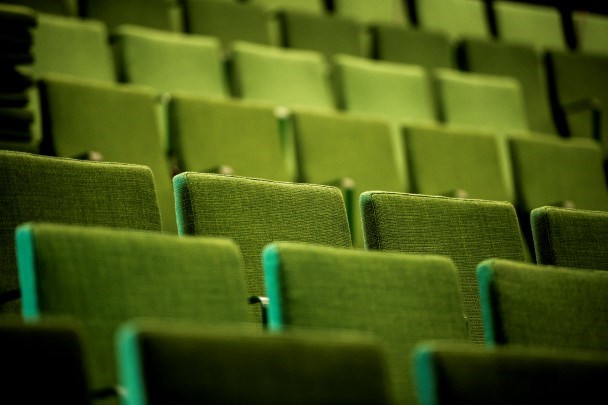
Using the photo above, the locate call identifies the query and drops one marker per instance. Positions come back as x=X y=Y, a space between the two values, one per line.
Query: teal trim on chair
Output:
x=485 y=274
x=272 y=264
x=426 y=384
x=180 y=187
x=129 y=356
x=25 y=240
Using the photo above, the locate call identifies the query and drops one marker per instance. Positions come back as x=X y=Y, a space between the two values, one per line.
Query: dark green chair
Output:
x=39 y=188
x=161 y=14
x=544 y=306
x=385 y=11
x=466 y=230
x=255 y=212
x=452 y=373
x=456 y=18
x=104 y=277
x=178 y=363
x=402 y=299
x=570 y=237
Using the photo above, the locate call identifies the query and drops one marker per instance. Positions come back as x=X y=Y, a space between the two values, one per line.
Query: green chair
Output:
x=161 y=14
x=103 y=277
x=387 y=11
x=120 y=123
x=506 y=375
x=256 y=212
x=238 y=137
x=570 y=237
x=291 y=78
x=401 y=299
x=450 y=162
x=72 y=46
x=532 y=24
x=39 y=188
x=544 y=306
x=342 y=149
x=466 y=230
x=178 y=363
x=591 y=32
x=59 y=7
x=456 y=18
x=308 y=6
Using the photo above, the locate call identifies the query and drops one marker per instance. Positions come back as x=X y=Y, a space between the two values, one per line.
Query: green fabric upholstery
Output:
x=43 y=363
x=161 y=14
x=549 y=171
x=399 y=92
x=72 y=46
x=120 y=122
x=59 y=7
x=457 y=18
x=367 y=12
x=592 y=31
x=38 y=188
x=507 y=375
x=570 y=237
x=171 y=61
x=402 y=299
x=532 y=24
x=521 y=62
x=468 y=231
x=443 y=160
x=292 y=78
x=533 y=305
x=332 y=147
x=210 y=133
x=309 y=6
x=327 y=35
x=166 y=363
x=394 y=43
x=228 y=21
x=104 y=277
x=256 y=212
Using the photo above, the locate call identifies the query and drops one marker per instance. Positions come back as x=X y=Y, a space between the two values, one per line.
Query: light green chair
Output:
x=356 y=153
x=543 y=306
x=456 y=18
x=308 y=6
x=402 y=299
x=387 y=11
x=161 y=14
x=180 y=363
x=466 y=230
x=591 y=32
x=117 y=123
x=291 y=78
x=570 y=237
x=40 y=188
x=105 y=277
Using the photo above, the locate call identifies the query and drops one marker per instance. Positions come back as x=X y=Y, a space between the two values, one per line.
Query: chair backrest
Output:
x=533 y=305
x=72 y=46
x=521 y=62
x=104 y=277
x=39 y=188
x=332 y=147
x=179 y=363
x=59 y=7
x=256 y=212
x=532 y=24
x=120 y=122
x=397 y=91
x=457 y=18
x=161 y=14
x=210 y=134
x=591 y=32
x=443 y=161
x=506 y=374
x=402 y=299
x=468 y=231
x=309 y=6
x=554 y=171
x=170 y=61
x=570 y=237
x=387 y=11
x=292 y=78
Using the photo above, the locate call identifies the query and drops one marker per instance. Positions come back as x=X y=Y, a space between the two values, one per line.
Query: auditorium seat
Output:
x=401 y=299
x=386 y=11
x=58 y=7
x=591 y=32
x=160 y=14
x=466 y=230
x=308 y=6
x=456 y=18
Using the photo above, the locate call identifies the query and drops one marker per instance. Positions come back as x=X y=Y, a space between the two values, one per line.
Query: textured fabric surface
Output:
x=105 y=277
x=178 y=364
x=161 y=14
x=444 y=160
x=332 y=147
x=456 y=18
x=367 y=12
x=256 y=212
x=507 y=375
x=313 y=6
x=570 y=237
x=547 y=306
x=468 y=231
x=210 y=133
x=402 y=299
x=549 y=171
x=37 y=188
x=288 y=77
x=119 y=122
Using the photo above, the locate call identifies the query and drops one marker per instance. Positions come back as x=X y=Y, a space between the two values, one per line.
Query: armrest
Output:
x=347 y=187
x=591 y=105
x=91 y=155
x=457 y=193
x=263 y=301
x=221 y=169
